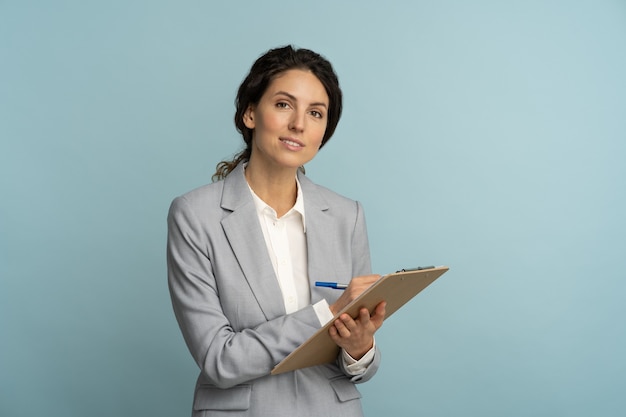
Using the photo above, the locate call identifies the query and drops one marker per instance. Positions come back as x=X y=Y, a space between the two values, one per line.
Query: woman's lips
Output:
x=292 y=143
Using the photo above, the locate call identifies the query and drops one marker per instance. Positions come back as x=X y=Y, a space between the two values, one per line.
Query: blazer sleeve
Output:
x=361 y=265
x=361 y=262
x=225 y=356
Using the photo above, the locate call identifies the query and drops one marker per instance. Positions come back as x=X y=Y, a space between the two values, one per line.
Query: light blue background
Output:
x=489 y=136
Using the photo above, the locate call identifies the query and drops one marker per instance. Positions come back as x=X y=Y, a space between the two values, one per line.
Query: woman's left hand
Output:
x=356 y=336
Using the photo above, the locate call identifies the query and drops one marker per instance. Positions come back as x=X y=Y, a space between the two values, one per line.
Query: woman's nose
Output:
x=297 y=121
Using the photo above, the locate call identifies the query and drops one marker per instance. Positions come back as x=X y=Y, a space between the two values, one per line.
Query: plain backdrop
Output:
x=489 y=136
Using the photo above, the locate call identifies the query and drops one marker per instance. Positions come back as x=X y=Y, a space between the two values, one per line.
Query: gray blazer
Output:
x=229 y=305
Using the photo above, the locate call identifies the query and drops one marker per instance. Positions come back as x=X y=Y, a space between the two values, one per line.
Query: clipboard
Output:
x=396 y=289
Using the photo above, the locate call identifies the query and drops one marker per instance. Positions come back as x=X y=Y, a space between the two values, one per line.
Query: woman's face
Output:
x=289 y=121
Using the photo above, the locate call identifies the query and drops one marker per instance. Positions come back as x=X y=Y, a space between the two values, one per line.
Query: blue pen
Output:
x=331 y=285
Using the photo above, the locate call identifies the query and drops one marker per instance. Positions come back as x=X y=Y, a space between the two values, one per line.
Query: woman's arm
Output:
x=226 y=357
x=356 y=336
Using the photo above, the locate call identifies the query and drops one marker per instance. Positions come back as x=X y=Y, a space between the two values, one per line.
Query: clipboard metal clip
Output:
x=419 y=268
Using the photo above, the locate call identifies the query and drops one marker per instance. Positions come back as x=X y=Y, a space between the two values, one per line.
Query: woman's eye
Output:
x=282 y=105
x=316 y=114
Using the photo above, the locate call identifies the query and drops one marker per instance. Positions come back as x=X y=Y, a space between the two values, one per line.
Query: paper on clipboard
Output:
x=396 y=289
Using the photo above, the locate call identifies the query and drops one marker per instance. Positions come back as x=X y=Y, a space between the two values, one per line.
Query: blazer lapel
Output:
x=245 y=236
x=316 y=207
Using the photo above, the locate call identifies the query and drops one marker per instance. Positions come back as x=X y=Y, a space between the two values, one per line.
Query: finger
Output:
x=349 y=322
x=367 y=279
x=342 y=329
x=379 y=314
x=363 y=282
x=335 y=336
x=364 y=316
x=373 y=277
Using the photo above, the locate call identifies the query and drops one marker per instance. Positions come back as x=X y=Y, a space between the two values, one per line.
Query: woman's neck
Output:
x=277 y=188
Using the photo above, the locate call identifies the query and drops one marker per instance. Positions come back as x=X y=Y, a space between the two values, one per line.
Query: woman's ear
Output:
x=248 y=118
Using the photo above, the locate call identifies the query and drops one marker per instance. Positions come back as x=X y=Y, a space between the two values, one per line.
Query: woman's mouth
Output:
x=291 y=142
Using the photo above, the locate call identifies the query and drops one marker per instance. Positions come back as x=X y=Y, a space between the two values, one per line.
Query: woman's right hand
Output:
x=355 y=288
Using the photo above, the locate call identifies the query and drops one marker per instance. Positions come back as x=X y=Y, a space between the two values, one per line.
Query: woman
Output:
x=244 y=251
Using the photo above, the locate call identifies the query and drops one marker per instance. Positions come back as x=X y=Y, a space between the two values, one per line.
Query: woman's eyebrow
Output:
x=292 y=97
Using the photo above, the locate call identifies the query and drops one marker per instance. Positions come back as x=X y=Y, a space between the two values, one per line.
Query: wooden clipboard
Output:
x=397 y=289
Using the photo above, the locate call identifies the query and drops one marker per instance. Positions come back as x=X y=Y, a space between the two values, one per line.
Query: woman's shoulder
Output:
x=324 y=195
x=203 y=197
